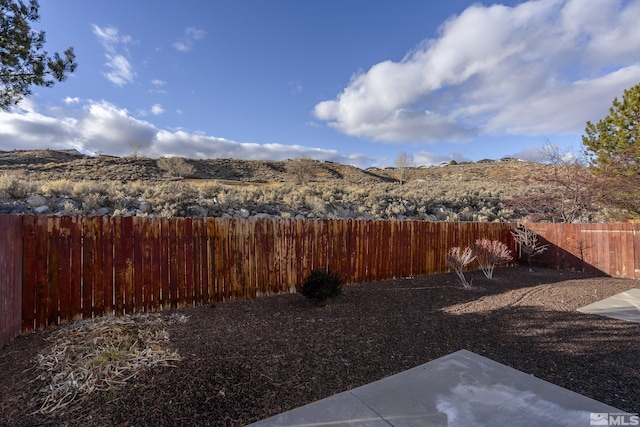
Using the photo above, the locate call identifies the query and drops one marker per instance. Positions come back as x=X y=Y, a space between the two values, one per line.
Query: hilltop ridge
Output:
x=70 y=164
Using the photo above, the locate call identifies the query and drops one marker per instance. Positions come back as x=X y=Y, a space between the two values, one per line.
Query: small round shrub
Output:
x=321 y=286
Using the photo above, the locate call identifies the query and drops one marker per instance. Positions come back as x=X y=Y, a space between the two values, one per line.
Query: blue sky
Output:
x=353 y=81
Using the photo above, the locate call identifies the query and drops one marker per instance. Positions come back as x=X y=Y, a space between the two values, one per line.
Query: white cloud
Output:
x=24 y=127
x=110 y=37
x=543 y=66
x=70 y=100
x=156 y=109
x=182 y=46
x=185 y=43
x=120 y=69
x=158 y=87
x=100 y=126
x=195 y=33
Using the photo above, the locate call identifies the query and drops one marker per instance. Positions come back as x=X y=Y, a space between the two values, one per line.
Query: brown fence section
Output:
x=10 y=277
x=613 y=249
x=53 y=269
x=80 y=267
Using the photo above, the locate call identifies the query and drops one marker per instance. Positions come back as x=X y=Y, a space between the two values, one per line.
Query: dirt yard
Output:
x=242 y=361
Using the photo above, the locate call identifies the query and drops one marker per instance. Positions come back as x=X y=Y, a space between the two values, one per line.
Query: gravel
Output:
x=243 y=361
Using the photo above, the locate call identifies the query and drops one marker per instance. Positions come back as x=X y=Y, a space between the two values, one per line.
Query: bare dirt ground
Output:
x=243 y=361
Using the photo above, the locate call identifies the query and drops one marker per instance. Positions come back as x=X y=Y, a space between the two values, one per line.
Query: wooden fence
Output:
x=59 y=268
x=613 y=249
x=79 y=267
x=10 y=277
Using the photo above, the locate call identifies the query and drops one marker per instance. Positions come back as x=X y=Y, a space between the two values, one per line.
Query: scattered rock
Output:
x=144 y=207
x=36 y=201
x=103 y=211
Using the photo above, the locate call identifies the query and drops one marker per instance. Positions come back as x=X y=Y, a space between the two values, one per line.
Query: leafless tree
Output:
x=527 y=241
x=137 y=150
x=303 y=169
x=568 y=192
x=403 y=161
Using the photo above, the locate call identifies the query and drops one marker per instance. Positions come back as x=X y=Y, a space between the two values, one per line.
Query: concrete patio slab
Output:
x=460 y=389
x=623 y=306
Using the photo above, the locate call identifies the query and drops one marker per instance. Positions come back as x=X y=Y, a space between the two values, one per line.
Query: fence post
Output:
x=10 y=277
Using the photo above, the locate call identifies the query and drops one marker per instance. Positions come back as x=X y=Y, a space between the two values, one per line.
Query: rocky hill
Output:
x=67 y=182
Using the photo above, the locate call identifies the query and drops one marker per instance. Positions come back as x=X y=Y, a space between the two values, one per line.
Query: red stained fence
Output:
x=81 y=267
x=610 y=248
x=10 y=277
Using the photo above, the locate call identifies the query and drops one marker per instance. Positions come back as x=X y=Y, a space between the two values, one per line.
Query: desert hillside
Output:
x=69 y=183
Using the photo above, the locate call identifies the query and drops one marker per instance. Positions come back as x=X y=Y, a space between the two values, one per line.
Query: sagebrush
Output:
x=321 y=286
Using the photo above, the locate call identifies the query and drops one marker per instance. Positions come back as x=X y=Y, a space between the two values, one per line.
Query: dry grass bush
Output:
x=13 y=185
x=57 y=188
x=82 y=188
x=99 y=355
x=176 y=166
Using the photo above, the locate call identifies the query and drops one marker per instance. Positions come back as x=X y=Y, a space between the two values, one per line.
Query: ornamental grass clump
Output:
x=490 y=253
x=458 y=260
x=321 y=286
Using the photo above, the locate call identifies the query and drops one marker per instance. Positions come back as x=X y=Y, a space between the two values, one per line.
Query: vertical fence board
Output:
x=244 y=275
x=88 y=263
x=11 y=270
x=119 y=265
x=197 y=260
x=204 y=253
x=41 y=276
x=146 y=237
x=138 y=255
x=156 y=266
x=213 y=260
x=29 y=274
x=258 y=259
x=98 y=266
x=174 y=262
x=76 y=267
x=292 y=254
x=181 y=284
x=235 y=260
x=220 y=244
x=188 y=258
x=129 y=260
x=107 y=262
x=64 y=246
x=164 y=258
x=53 y=269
